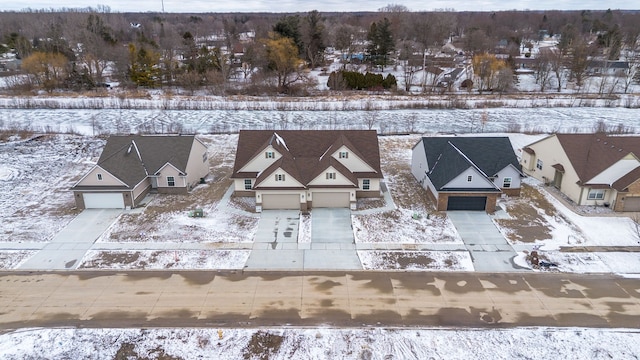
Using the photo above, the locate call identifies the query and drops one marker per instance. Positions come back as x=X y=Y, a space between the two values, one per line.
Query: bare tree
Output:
x=543 y=69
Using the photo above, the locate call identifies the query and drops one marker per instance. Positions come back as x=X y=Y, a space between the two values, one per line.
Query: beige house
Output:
x=590 y=169
x=466 y=173
x=131 y=166
x=291 y=169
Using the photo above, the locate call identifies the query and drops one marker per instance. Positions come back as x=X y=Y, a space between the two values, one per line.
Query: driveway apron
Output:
x=276 y=243
x=68 y=247
x=489 y=250
x=332 y=243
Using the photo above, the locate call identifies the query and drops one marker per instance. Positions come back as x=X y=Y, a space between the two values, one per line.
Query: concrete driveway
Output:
x=276 y=244
x=489 y=250
x=68 y=247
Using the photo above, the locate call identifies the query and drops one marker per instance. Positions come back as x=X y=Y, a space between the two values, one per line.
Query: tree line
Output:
x=255 y=53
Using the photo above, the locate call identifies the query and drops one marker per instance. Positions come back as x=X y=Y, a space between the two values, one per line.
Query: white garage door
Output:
x=280 y=201
x=337 y=200
x=632 y=203
x=103 y=201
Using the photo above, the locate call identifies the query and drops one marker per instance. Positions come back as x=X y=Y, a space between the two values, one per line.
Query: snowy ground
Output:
x=321 y=343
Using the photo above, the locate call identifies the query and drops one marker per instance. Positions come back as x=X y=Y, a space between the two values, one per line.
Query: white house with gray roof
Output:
x=131 y=166
x=466 y=173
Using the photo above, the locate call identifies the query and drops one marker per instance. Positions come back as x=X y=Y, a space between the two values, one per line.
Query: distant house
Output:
x=591 y=169
x=466 y=173
x=607 y=67
x=131 y=166
x=291 y=169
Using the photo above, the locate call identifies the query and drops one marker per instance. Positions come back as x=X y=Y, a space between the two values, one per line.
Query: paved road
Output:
x=489 y=250
x=176 y=299
x=68 y=247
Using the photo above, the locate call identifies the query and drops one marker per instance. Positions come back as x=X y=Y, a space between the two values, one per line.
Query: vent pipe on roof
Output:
x=129 y=149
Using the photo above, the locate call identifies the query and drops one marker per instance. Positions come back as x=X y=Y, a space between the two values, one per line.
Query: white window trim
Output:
x=469 y=178
x=247 y=182
x=279 y=177
x=331 y=176
x=539 y=164
x=506 y=182
x=171 y=179
x=598 y=194
x=99 y=176
x=366 y=184
x=343 y=155
x=269 y=155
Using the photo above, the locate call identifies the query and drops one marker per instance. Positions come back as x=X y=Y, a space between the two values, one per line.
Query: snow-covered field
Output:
x=321 y=343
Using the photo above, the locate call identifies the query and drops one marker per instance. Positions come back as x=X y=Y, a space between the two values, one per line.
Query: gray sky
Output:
x=198 y=6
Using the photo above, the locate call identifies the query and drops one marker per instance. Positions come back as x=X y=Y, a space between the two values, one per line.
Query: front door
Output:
x=557 y=179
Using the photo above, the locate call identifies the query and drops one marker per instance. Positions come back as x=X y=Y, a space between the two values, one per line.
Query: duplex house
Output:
x=466 y=173
x=131 y=166
x=291 y=169
x=590 y=169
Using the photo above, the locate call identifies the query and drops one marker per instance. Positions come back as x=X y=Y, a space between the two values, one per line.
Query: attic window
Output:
x=279 y=177
x=331 y=176
x=343 y=155
x=269 y=155
x=99 y=177
x=470 y=178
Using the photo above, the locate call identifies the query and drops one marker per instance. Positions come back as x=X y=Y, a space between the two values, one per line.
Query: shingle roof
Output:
x=306 y=153
x=590 y=154
x=131 y=158
x=449 y=156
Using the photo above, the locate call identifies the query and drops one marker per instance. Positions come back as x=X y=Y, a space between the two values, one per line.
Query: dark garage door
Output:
x=467 y=203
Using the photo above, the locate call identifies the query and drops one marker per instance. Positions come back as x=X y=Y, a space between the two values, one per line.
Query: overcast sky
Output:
x=198 y=6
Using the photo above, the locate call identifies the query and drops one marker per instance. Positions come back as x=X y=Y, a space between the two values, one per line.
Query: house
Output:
x=131 y=166
x=289 y=169
x=590 y=169
x=466 y=173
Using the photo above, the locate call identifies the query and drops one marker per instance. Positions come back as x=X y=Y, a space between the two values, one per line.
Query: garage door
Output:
x=280 y=201
x=632 y=203
x=103 y=201
x=467 y=203
x=324 y=200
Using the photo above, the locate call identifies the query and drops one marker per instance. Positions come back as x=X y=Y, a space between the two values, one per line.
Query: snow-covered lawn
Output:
x=321 y=343
x=416 y=260
x=158 y=260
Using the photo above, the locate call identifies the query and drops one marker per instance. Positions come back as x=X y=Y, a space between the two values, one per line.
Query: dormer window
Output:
x=269 y=155
x=99 y=177
x=343 y=155
x=279 y=177
x=331 y=176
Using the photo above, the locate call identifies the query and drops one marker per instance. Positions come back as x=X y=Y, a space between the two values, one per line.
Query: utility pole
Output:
x=162 y=6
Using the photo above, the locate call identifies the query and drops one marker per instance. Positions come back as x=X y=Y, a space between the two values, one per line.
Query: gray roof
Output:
x=131 y=158
x=448 y=157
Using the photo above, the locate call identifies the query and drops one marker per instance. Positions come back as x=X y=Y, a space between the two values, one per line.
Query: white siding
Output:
x=260 y=161
x=419 y=165
x=477 y=180
x=352 y=162
x=169 y=170
x=91 y=179
x=511 y=172
x=270 y=181
x=374 y=184
x=196 y=167
x=322 y=178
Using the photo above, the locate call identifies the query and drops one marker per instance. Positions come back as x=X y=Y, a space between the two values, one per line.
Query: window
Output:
x=506 y=182
x=279 y=177
x=269 y=155
x=247 y=184
x=343 y=155
x=539 y=164
x=99 y=177
x=204 y=157
x=469 y=178
x=331 y=176
x=171 y=181
x=597 y=194
x=366 y=184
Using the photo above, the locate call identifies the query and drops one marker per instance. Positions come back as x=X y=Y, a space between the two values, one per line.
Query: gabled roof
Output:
x=448 y=157
x=624 y=182
x=307 y=153
x=591 y=154
x=131 y=158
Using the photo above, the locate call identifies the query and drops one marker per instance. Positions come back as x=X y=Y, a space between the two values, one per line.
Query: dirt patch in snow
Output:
x=263 y=345
x=528 y=223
